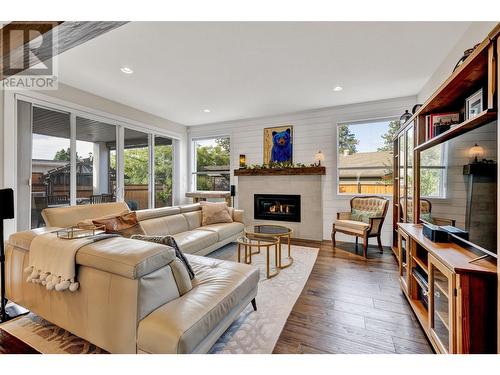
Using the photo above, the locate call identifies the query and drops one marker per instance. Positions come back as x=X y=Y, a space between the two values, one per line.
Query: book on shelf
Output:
x=438 y=123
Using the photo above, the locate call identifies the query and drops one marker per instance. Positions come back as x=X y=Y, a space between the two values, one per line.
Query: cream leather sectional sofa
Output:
x=136 y=296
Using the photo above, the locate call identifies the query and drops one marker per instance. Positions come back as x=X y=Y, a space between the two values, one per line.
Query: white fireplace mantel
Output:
x=307 y=186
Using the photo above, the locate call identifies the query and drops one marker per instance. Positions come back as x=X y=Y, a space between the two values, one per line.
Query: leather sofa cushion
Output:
x=126 y=257
x=157 y=212
x=72 y=215
x=193 y=219
x=165 y=225
x=351 y=226
x=23 y=239
x=181 y=324
x=190 y=207
x=193 y=241
x=225 y=230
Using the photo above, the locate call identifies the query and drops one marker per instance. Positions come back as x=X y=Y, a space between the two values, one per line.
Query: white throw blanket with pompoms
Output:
x=52 y=260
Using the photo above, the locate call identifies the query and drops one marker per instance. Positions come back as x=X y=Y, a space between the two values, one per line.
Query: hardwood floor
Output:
x=348 y=305
x=351 y=305
x=12 y=345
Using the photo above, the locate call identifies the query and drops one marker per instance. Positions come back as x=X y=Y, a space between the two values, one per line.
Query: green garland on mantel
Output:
x=279 y=165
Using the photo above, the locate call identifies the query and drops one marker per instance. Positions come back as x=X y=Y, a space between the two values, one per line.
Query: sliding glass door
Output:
x=50 y=164
x=163 y=156
x=95 y=170
x=136 y=176
x=71 y=157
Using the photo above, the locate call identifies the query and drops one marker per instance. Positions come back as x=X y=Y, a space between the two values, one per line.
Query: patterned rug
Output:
x=252 y=333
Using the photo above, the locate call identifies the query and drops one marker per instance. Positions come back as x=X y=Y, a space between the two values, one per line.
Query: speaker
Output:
x=233 y=190
x=7 y=204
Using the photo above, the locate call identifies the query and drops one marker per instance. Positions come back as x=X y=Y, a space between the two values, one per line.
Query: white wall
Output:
x=476 y=33
x=313 y=130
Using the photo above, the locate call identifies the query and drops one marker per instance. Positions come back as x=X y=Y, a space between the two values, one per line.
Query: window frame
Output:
x=74 y=111
x=337 y=168
x=194 y=157
x=443 y=183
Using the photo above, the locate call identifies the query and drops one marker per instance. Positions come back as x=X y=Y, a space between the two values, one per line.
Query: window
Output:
x=95 y=174
x=365 y=157
x=211 y=163
x=50 y=165
x=163 y=153
x=68 y=158
x=433 y=172
x=136 y=169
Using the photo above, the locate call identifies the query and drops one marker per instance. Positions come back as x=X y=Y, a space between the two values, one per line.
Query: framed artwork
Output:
x=474 y=105
x=278 y=144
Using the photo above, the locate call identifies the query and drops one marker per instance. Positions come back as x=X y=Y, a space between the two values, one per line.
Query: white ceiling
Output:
x=243 y=70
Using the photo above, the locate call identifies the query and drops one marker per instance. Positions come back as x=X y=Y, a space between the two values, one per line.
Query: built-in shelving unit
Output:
x=449 y=290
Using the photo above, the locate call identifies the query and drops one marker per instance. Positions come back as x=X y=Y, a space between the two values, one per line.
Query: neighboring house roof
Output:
x=365 y=165
x=43 y=166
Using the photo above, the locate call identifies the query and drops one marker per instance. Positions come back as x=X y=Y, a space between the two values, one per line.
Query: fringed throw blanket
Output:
x=52 y=260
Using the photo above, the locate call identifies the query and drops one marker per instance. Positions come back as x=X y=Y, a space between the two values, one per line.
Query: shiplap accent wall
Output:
x=313 y=130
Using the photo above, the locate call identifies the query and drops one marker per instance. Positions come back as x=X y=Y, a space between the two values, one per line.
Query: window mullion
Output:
x=151 y=166
x=73 y=161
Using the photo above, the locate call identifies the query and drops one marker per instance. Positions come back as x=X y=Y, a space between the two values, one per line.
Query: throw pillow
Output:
x=364 y=216
x=214 y=213
x=169 y=241
x=125 y=225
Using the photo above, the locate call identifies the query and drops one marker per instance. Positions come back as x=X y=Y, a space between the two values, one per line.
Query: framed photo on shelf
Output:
x=474 y=104
x=441 y=122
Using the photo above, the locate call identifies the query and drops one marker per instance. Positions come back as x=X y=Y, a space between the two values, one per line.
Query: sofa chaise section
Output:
x=136 y=296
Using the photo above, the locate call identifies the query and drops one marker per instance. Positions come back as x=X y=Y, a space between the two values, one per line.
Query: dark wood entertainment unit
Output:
x=460 y=313
x=451 y=288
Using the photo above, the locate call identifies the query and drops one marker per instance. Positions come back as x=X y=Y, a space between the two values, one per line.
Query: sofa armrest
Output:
x=343 y=215
x=238 y=216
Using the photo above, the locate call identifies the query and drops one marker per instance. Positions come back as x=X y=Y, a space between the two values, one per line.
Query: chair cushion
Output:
x=351 y=226
x=224 y=230
x=364 y=216
x=369 y=204
x=193 y=241
x=181 y=324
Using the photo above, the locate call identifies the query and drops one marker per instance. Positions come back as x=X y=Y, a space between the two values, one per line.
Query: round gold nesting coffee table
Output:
x=266 y=231
x=249 y=242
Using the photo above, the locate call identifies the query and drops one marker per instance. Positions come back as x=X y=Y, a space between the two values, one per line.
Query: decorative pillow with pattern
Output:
x=169 y=241
x=364 y=216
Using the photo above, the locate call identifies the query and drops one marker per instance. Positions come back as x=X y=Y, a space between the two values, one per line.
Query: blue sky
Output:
x=369 y=135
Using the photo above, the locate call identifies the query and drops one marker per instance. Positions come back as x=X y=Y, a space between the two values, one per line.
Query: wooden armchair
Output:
x=364 y=220
x=425 y=212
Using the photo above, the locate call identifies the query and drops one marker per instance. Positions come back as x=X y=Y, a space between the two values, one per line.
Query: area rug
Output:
x=252 y=333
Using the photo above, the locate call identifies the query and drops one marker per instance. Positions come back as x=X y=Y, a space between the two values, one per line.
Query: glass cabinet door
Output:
x=409 y=175
x=441 y=305
x=404 y=260
x=402 y=178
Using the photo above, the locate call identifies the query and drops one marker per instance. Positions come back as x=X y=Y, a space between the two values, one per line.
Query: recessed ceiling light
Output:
x=338 y=88
x=206 y=110
x=126 y=70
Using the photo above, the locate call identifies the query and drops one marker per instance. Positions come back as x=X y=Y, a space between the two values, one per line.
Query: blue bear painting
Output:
x=282 y=146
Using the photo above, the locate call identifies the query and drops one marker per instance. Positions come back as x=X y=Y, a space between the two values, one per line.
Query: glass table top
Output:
x=267 y=230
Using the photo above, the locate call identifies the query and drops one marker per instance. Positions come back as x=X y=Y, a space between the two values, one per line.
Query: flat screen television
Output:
x=458 y=186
